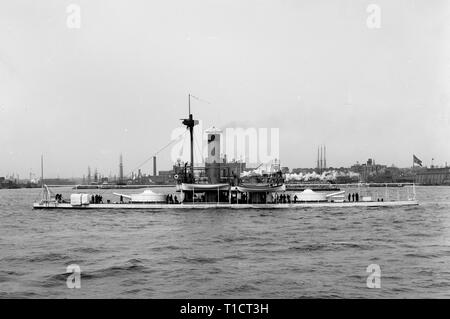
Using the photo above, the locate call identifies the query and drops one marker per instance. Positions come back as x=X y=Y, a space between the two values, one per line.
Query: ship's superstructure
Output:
x=220 y=181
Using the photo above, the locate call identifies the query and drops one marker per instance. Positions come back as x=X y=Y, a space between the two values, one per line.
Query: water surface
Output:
x=303 y=253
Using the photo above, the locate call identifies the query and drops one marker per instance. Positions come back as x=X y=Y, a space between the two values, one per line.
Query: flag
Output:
x=416 y=160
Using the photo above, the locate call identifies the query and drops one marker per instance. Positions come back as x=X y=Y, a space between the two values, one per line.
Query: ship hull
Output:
x=192 y=206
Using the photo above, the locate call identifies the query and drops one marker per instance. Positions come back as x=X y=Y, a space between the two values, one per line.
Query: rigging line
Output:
x=160 y=150
x=265 y=163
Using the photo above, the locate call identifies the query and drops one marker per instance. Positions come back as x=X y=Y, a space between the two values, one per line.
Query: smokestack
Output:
x=325 y=157
x=154 y=166
x=120 y=169
x=318 y=163
x=321 y=158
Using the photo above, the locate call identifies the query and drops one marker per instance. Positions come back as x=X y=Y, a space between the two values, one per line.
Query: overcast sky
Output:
x=314 y=69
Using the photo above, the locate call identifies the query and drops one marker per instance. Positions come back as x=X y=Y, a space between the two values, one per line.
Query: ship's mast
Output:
x=190 y=123
x=42 y=171
x=191 y=132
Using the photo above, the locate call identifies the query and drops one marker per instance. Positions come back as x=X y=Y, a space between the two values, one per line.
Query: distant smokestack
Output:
x=121 y=169
x=154 y=166
x=324 y=157
x=318 y=163
x=321 y=158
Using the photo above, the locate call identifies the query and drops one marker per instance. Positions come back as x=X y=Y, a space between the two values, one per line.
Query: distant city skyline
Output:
x=119 y=82
x=115 y=176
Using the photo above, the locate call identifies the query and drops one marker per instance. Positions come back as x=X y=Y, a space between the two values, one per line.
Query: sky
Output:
x=314 y=69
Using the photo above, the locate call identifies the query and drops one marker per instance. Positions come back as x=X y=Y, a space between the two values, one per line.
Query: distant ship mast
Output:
x=42 y=172
x=43 y=186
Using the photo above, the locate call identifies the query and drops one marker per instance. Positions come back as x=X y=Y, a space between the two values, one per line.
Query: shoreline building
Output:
x=375 y=173
x=433 y=176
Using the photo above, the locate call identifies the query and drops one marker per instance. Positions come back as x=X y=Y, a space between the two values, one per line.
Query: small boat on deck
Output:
x=146 y=197
x=261 y=188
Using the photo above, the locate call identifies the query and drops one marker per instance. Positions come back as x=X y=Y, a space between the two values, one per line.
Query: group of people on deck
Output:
x=58 y=198
x=171 y=199
x=283 y=199
x=96 y=199
x=353 y=197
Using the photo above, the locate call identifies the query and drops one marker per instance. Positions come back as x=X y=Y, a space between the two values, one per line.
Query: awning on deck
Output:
x=260 y=188
x=204 y=187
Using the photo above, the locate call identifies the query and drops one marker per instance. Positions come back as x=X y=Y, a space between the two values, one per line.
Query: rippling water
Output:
x=225 y=254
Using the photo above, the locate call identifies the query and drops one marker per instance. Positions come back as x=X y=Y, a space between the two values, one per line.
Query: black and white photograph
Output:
x=224 y=150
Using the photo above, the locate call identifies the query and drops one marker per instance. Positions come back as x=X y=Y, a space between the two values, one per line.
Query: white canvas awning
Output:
x=204 y=187
x=261 y=188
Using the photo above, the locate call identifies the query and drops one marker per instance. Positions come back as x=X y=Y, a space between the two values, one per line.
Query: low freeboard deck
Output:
x=190 y=206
